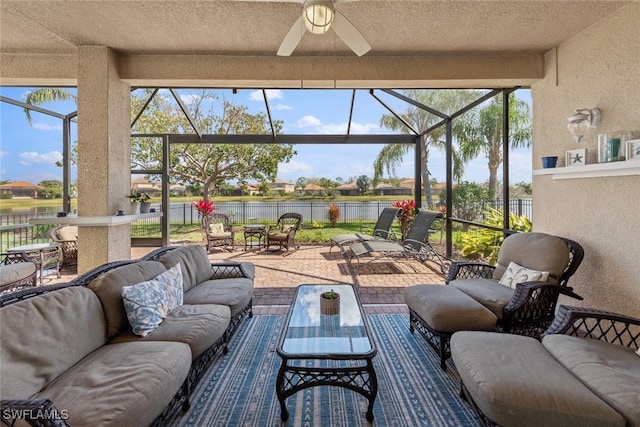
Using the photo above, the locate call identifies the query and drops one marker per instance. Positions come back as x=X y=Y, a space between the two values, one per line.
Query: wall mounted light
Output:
x=582 y=120
x=318 y=16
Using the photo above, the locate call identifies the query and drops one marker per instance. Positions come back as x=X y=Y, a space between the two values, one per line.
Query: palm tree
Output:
x=44 y=95
x=446 y=101
x=482 y=135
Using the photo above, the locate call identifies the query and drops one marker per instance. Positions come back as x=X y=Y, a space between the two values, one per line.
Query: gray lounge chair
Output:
x=381 y=230
x=416 y=245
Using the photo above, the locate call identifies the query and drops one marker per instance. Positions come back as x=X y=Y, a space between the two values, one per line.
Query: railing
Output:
x=15 y=229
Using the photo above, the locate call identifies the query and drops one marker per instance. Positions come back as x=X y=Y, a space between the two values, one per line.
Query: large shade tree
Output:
x=445 y=101
x=482 y=134
x=207 y=164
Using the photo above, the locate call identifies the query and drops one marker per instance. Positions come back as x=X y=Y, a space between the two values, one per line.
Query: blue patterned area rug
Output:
x=239 y=388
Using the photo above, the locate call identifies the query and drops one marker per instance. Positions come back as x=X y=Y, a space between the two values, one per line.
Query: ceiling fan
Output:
x=317 y=17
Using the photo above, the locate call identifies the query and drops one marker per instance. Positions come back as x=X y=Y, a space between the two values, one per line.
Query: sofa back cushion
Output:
x=109 y=286
x=70 y=232
x=44 y=336
x=196 y=267
x=536 y=251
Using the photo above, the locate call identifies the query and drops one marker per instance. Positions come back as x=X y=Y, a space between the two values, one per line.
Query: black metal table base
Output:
x=292 y=379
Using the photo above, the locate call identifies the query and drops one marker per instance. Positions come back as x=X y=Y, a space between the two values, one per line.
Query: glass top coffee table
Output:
x=326 y=349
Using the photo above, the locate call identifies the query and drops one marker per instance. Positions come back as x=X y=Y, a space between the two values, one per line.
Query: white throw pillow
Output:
x=518 y=274
x=216 y=228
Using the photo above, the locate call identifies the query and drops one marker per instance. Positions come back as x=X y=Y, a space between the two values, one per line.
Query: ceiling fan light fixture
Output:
x=318 y=16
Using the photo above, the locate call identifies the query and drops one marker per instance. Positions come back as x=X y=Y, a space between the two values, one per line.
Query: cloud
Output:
x=190 y=99
x=283 y=107
x=3 y=153
x=45 y=126
x=256 y=95
x=31 y=157
x=294 y=167
x=356 y=128
x=308 y=121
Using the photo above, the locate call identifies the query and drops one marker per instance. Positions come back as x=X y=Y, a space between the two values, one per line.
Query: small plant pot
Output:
x=134 y=208
x=329 y=305
x=144 y=207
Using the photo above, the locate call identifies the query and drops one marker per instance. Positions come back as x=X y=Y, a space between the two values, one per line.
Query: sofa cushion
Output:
x=109 y=286
x=196 y=267
x=44 y=336
x=235 y=293
x=126 y=384
x=516 y=382
x=70 y=232
x=199 y=326
x=488 y=292
x=609 y=370
x=447 y=309
x=13 y=272
x=537 y=251
x=518 y=274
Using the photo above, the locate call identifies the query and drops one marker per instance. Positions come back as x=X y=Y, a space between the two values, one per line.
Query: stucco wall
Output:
x=598 y=68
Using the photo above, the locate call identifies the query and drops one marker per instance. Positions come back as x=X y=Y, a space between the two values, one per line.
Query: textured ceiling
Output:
x=392 y=27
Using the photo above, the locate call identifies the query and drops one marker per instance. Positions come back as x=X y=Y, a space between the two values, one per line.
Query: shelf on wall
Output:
x=628 y=167
x=94 y=221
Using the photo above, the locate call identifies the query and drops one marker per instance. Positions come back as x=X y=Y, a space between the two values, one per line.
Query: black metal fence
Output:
x=15 y=229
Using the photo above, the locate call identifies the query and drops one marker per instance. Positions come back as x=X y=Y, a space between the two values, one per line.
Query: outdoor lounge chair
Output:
x=381 y=230
x=416 y=245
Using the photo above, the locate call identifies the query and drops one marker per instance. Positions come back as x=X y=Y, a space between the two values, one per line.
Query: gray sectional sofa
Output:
x=68 y=352
x=585 y=372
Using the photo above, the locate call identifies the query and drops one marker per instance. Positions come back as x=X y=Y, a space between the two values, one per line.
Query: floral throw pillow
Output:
x=517 y=274
x=148 y=303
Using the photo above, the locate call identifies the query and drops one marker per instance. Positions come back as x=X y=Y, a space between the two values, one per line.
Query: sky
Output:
x=29 y=153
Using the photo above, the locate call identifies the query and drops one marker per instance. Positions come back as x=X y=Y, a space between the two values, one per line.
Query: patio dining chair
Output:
x=381 y=230
x=218 y=230
x=283 y=233
x=416 y=245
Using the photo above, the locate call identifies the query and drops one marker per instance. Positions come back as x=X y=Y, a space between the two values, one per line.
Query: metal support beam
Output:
x=353 y=100
x=144 y=107
x=417 y=185
x=66 y=164
x=505 y=159
x=396 y=115
x=266 y=103
x=449 y=189
x=31 y=107
x=416 y=103
x=286 y=139
x=185 y=112
x=164 y=219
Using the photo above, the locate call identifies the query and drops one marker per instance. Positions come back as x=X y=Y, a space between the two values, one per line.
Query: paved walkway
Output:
x=380 y=284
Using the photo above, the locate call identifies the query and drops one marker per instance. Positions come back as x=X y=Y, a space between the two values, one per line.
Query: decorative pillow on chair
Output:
x=287 y=228
x=148 y=303
x=216 y=228
x=517 y=274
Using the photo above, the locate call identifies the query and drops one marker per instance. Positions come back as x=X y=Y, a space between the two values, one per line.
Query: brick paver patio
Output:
x=380 y=284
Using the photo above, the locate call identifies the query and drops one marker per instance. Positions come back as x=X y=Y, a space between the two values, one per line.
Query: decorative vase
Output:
x=144 y=207
x=134 y=208
x=329 y=305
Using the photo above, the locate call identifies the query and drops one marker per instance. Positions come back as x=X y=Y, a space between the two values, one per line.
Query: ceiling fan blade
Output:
x=292 y=39
x=350 y=35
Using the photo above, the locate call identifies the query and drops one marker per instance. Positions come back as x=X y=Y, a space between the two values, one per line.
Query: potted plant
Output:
x=329 y=302
x=137 y=199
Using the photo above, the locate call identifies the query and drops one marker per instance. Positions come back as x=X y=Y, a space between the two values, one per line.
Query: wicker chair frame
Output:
x=214 y=240
x=69 y=249
x=24 y=282
x=276 y=234
x=533 y=304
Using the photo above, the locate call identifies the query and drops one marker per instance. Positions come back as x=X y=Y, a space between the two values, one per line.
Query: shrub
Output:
x=334 y=214
x=485 y=243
